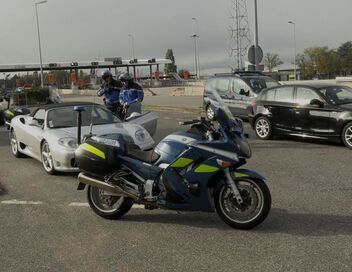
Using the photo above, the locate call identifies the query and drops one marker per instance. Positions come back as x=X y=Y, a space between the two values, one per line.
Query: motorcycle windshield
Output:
x=224 y=116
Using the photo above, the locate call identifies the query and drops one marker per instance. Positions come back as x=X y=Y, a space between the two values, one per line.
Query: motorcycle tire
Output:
x=255 y=208
x=117 y=207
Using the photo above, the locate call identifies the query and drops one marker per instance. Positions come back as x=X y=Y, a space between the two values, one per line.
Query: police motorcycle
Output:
x=197 y=170
x=13 y=111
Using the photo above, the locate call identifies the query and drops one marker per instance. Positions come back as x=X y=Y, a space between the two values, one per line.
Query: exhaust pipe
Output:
x=82 y=178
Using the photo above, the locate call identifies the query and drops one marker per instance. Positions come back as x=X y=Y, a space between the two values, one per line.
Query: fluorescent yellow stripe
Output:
x=9 y=113
x=93 y=150
x=203 y=168
x=182 y=162
x=240 y=175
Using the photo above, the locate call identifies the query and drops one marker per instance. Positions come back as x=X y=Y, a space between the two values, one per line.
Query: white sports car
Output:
x=49 y=134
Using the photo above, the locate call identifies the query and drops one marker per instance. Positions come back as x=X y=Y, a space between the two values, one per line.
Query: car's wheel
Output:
x=209 y=112
x=262 y=128
x=47 y=159
x=347 y=135
x=14 y=145
x=109 y=207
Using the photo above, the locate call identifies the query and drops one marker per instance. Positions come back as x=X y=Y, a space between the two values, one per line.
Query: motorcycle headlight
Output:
x=69 y=142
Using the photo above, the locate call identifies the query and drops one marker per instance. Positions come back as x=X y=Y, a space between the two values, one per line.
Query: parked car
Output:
x=237 y=90
x=313 y=110
x=49 y=134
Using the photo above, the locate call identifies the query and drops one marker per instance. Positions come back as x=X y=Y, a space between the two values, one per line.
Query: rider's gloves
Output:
x=101 y=92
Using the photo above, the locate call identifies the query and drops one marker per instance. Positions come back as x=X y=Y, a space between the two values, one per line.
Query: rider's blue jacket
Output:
x=111 y=92
x=130 y=96
x=132 y=93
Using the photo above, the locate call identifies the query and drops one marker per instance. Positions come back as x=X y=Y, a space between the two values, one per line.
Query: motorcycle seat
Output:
x=148 y=156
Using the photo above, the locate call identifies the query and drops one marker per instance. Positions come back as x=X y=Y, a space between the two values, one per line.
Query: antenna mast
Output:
x=240 y=38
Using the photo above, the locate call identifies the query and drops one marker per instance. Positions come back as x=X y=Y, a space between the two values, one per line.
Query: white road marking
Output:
x=84 y=204
x=72 y=204
x=21 y=202
x=78 y=204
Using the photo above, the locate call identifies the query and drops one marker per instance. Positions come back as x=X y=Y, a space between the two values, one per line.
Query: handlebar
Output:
x=191 y=122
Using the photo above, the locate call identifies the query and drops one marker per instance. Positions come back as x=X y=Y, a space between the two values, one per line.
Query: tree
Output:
x=271 y=61
x=319 y=62
x=170 y=67
x=184 y=74
x=344 y=53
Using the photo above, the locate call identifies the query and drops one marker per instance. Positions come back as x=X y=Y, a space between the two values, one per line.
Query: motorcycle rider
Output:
x=110 y=89
x=131 y=94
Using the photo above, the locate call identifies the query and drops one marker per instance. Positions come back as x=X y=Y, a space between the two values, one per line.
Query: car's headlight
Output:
x=68 y=142
x=106 y=141
x=140 y=135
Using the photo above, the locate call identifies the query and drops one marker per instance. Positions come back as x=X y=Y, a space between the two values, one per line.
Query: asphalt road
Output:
x=309 y=227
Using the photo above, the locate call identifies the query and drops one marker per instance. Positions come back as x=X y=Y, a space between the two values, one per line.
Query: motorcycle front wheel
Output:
x=109 y=207
x=254 y=209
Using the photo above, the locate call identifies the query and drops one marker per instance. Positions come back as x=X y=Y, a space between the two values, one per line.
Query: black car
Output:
x=313 y=110
x=237 y=90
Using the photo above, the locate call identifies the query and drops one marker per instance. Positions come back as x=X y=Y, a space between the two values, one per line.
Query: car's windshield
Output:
x=337 y=94
x=260 y=83
x=66 y=117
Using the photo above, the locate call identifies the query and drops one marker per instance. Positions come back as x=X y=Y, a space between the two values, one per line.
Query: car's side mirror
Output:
x=34 y=122
x=243 y=92
x=316 y=103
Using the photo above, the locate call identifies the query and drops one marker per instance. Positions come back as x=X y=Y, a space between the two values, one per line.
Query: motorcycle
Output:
x=196 y=170
x=13 y=111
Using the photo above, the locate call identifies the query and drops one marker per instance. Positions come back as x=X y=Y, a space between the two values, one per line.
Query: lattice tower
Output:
x=239 y=33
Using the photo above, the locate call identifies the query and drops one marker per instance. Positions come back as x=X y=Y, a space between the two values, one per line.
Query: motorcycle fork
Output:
x=232 y=184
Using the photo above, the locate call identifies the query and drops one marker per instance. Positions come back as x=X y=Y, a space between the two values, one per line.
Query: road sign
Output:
x=259 y=55
x=114 y=59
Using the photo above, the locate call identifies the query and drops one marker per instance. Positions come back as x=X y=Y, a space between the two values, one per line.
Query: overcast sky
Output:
x=77 y=30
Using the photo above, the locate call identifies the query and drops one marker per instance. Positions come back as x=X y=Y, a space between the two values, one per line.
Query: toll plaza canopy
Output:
x=107 y=63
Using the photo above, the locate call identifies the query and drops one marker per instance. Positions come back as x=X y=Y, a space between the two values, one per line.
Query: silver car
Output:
x=49 y=134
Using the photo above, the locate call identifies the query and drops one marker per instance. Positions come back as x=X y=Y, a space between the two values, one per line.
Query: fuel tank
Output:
x=173 y=145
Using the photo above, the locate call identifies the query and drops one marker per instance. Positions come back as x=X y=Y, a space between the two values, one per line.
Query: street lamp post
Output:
x=256 y=45
x=197 y=47
x=195 y=37
x=132 y=44
x=294 y=42
x=40 y=49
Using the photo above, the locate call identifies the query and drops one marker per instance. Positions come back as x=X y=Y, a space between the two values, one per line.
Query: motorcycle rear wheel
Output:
x=255 y=208
x=109 y=207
